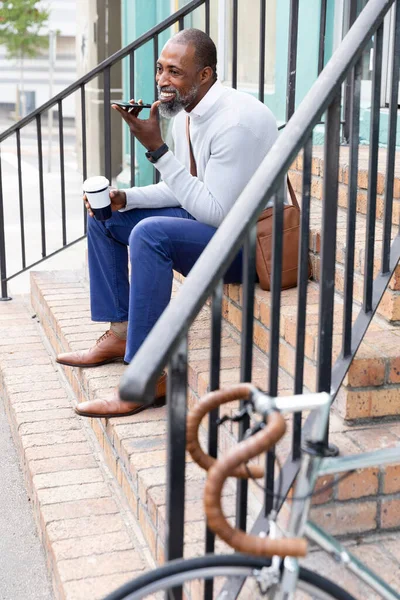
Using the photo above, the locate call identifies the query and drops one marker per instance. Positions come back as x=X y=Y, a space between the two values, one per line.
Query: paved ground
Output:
x=23 y=571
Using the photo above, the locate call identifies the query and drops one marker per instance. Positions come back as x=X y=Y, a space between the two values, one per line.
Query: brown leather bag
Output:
x=291 y=233
x=290 y=253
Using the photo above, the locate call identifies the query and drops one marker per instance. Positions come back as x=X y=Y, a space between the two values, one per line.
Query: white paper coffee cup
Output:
x=98 y=194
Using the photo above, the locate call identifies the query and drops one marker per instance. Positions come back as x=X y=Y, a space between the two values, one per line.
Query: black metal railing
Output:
x=36 y=118
x=8 y=270
x=167 y=343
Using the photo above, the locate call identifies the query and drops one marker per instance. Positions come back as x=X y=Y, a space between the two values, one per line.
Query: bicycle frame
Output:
x=312 y=467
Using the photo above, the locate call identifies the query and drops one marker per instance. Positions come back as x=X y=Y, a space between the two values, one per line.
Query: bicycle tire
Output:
x=181 y=571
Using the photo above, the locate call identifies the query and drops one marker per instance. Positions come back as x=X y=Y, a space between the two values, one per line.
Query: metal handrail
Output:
x=139 y=379
x=108 y=62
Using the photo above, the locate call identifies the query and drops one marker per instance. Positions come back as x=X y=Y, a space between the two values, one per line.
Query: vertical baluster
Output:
x=350 y=16
x=176 y=447
x=354 y=131
x=302 y=292
x=234 y=43
x=373 y=171
x=21 y=199
x=181 y=23
x=328 y=246
x=84 y=148
x=107 y=122
x=156 y=174
x=62 y=172
x=246 y=356
x=215 y=363
x=3 y=262
x=132 y=95
x=322 y=30
x=292 y=58
x=207 y=16
x=261 y=73
x=41 y=184
x=276 y=284
x=391 y=154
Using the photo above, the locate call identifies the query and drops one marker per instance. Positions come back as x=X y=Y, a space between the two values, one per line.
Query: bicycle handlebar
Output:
x=208 y=403
x=233 y=464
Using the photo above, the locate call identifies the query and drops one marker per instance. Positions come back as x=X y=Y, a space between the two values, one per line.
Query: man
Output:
x=167 y=225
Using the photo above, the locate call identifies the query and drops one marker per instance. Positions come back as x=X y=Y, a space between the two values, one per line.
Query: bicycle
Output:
x=279 y=577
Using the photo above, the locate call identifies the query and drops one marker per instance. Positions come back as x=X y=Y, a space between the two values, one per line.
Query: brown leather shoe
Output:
x=109 y=347
x=113 y=406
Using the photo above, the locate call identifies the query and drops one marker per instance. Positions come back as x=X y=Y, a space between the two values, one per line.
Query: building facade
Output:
x=50 y=72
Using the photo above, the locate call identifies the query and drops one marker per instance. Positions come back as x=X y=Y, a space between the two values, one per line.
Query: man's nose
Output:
x=162 y=79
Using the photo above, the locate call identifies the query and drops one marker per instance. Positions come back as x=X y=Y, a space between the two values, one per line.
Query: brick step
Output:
x=91 y=541
x=134 y=447
x=317 y=171
x=390 y=305
x=389 y=308
x=371 y=387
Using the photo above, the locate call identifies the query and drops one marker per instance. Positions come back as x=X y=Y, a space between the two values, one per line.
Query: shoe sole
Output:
x=83 y=366
x=156 y=404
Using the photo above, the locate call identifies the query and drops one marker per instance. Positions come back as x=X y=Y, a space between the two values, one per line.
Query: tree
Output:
x=21 y=23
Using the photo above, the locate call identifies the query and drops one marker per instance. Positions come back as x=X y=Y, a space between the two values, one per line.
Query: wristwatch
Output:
x=156 y=154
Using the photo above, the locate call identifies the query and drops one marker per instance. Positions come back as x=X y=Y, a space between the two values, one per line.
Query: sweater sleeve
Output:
x=235 y=155
x=158 y=195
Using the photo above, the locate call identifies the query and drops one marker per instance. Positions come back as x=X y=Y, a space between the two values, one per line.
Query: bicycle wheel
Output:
x=192 y=574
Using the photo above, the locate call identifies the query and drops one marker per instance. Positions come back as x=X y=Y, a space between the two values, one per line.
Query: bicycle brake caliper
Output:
x=267 y=577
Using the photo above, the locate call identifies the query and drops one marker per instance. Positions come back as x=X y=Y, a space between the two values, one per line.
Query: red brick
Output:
x=366 y=372
x=55 y=425
x=65 y=463
x=77 y=508
x=55 y=450
x=67 y=493
x=390 y=513
x=59 y=437
x=96 y=565
x=67 y=478
x=342 y=518
x=96 y=588
x=93 y=544
x=391 y=479
x=84 y=526
x=362 y=483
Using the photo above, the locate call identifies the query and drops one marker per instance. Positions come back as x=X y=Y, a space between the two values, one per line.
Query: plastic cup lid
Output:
x=94 y=184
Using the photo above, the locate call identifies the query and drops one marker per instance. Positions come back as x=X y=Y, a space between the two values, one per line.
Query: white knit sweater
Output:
x=231 y=132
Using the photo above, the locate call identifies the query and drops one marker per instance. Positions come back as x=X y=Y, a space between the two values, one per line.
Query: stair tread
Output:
x=86 y=527
x=133 y=437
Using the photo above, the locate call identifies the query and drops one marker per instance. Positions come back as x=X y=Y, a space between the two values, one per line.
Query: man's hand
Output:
x=117 y=197
x=147 y=131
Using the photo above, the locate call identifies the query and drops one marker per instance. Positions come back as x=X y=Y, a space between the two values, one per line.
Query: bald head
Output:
x=205 y=52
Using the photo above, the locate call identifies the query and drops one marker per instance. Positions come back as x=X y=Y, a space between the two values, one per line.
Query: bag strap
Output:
x=292 y=194
x=193 y=166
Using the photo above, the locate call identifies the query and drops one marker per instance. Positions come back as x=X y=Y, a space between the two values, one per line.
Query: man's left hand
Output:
x=147 y=131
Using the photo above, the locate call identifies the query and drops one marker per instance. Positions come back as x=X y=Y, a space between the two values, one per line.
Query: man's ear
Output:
x=206 y=74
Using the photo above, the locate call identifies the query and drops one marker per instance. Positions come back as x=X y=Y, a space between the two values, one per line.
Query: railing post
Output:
x=176 y=449
x=350 y=15
x=3 y=273
x=292 y=58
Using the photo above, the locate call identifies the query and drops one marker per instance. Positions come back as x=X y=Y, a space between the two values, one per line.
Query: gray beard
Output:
x=172 y=108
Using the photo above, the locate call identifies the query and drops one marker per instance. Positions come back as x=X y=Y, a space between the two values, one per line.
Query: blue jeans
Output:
x=159 y=241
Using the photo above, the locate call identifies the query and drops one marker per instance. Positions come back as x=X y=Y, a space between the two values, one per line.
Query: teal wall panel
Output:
x=138 y=16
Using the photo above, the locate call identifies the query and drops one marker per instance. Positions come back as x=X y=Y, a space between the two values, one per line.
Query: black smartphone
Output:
x=128 y=105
